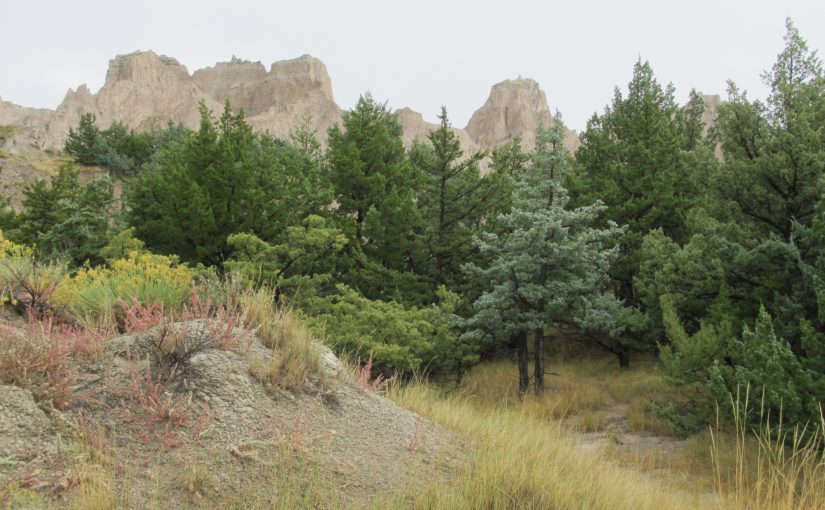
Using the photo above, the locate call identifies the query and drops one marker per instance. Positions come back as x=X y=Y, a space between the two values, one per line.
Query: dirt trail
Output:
x=617 y=434
x=617 y=442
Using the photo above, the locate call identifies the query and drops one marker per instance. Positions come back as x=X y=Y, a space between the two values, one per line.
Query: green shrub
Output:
x=6 y=131
x=401 y=339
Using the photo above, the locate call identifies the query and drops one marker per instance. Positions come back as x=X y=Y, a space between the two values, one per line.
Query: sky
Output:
x=416 y=53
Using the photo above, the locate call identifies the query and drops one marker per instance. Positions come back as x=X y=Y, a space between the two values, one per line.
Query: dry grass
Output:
x=196 y=479
x=589 y=420
x=781 y=471
x=51 y=165
x=295 y=353
x=522 y=461
x=96 y=490
x=640 y=420
x=94 y=467
x=742 y=470
x=581 y=391
x=38 y=363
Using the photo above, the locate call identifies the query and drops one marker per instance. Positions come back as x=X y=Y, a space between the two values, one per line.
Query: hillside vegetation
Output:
x=636 y=325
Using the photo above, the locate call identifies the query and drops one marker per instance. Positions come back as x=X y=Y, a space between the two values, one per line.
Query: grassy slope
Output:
x=522 y=461
x=528 y=454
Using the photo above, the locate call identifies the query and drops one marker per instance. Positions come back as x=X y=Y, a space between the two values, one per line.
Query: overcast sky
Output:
x=416 y=53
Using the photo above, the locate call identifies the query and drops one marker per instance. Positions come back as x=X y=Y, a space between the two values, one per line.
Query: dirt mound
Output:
x=26 y=433
x=208 y=434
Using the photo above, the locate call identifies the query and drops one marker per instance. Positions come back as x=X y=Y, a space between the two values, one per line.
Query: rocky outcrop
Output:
x=416 y=128
x=515 y=108
x=292 y=92
x=145 y=90
x=712 y=103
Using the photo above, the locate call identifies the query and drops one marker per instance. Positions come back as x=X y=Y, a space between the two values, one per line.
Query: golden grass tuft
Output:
x=96 y=490
x=769 y=469
x=51 y=165
x=295 y=355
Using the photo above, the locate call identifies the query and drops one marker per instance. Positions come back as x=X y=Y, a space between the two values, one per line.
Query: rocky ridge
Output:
x=143 y=90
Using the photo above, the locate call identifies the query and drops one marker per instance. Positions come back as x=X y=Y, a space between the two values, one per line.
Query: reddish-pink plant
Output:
x=198 y=308
x=363 y=377
x=151 y=394
x=41 y=364
x=414 y=442
x=142 y=316
x=221 y=322
x=202 y=422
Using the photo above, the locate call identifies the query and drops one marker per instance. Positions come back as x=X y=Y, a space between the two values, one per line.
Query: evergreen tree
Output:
x=308 y=259
x=65 y=218
x=367 y=161
x=548 y=264
x=86 y=144
x=754 y=263
x=221 y=180
x=375 y=190
x=456 y=202
x=639 y=157
x=771 y=183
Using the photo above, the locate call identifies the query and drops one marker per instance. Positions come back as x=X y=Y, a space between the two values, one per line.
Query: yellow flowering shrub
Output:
x=95 y=293
x=10 y=253
x=11 y=249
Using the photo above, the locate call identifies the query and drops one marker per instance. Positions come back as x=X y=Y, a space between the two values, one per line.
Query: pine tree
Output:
x=86 y=143
x=456 y=202
x=367 y=160
x=547 y=264
x=223 y=179
x=65 y=218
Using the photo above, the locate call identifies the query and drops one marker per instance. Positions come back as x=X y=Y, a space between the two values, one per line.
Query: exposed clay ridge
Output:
x=145 y=90
x=515 y=108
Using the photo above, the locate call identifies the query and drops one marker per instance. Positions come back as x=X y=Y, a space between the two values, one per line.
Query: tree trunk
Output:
x=359 y=223
x=539 y=360
x=523 y=374
x=624 y=357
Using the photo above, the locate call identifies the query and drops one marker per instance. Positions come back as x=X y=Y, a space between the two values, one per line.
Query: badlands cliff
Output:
x=144 y=89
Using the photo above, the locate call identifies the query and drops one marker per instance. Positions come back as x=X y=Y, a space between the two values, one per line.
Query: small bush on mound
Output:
x=178 y=336
x=30 y=282
x=37 y=363
x=25 y=280
x=294 y=359
x=295 y=355
x=97 y=293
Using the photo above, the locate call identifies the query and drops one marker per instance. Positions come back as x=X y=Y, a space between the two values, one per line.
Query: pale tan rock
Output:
x=291 y=92
x=416 y=128
x=515 y=108
x=712 y=103
x=145 y=90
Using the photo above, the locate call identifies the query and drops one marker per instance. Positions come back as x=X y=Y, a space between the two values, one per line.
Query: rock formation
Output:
x=514 y=108
x=145 y=90
x=416 y=128
x=293 y=91
x=712 y=103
